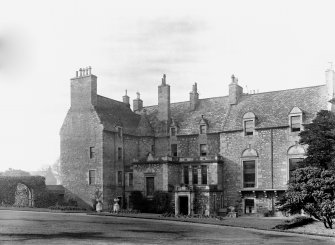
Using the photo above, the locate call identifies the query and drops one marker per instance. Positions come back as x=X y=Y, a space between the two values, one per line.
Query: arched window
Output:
x=295 y=155
x=249 y=168
x=249 y=120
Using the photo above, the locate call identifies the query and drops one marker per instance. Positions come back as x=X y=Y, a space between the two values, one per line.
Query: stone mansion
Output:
x=235 y=150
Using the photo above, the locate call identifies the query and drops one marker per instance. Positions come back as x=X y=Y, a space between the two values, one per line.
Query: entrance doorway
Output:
x=249 y=206
x=183 y=205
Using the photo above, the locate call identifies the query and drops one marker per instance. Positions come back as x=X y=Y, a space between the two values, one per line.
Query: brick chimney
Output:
x=84 y=89
x=194 y=97
x=330 y=83
x=125 y=99
x=137 y=103
x=235 y=91
x=164 y=101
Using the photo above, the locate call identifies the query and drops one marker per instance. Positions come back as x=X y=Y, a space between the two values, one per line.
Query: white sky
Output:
x=268 y=45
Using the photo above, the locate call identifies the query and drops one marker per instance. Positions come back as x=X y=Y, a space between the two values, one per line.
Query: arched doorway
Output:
x=23 y=196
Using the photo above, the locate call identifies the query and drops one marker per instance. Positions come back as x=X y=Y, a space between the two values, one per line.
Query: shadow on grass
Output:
x=60 y=235
x=157 y=231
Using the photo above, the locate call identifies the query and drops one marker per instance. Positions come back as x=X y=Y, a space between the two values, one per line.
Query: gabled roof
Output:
x=273 y=108
x=114 y=113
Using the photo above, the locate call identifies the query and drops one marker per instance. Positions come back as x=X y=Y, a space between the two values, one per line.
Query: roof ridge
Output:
x=103 y=97
x=275 y=91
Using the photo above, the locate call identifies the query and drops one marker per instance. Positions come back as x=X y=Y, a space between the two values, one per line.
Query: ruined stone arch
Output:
x=23 y=196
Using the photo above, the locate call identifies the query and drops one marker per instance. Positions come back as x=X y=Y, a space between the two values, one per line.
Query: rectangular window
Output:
x=295 y=123
x=153 y=149
x=119 y=178
x=92 y=153
x=195 y=175
x=119 y=132
x=130 y=179
x=91 y=177
x=173 y=131
x=249 y=127
x=186 y=175
x=203 y=150
x=174 y=152
x=249 y=174
x=293 y=165
x=204 y=174
x=150 y=182
x=119 y=153
x=202 y=129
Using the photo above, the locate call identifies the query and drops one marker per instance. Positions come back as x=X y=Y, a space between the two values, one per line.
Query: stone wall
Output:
x=80 y=131
x=269 y=144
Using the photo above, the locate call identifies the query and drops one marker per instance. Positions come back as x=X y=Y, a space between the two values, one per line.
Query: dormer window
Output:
x=203 y=129
x=295 y=120
x=249 y=119
x=295 y=123
x=173 y=131
x=249 y=127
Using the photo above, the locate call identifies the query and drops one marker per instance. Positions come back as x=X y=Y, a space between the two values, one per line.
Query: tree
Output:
x=15 y=172
x=311 y=189
x=320 y=138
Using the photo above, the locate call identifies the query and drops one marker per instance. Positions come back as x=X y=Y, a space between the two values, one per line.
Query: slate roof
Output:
x=214 y=111
x=271 y=109
x=114 y=113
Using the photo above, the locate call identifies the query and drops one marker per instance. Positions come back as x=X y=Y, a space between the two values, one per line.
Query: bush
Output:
x=162 y=202
x=295 y=222
x=67 y=208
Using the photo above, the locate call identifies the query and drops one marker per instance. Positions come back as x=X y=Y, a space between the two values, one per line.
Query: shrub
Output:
x=162 y=202
x=295 y=222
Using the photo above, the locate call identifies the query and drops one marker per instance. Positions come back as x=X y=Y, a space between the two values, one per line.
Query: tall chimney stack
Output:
x=194 y=97
x=84 y=89
x=125 y=99
x=164 y=101
x=235 y=91
x=137 y=103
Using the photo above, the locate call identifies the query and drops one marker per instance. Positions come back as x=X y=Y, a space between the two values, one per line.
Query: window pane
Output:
x=293 y=165
x=119 y=153
x=174 y=152
x=186 y=175
x=119 y=178
x=203 y=150
x=249 y=174
x=295 y=123
x=130 y=179
x=91 y=177
x=150 y=181
x=195 y=174
x=202 y=129
x=204 y=174
x=249 y=127
x=173 y=131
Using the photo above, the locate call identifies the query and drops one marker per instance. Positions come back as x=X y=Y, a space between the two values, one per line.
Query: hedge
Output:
x=42 y=198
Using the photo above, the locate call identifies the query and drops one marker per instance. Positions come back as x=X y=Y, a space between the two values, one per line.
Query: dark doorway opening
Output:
x=183 y=205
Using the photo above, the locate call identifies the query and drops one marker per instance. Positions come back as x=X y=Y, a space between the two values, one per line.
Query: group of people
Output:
x=116 y=206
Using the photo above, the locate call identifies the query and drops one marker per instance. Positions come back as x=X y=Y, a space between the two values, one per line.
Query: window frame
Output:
x=292 y=125
x=173 y=131
x=90 y=182
x=204 y=174
x=256 y=168
x=119 y=154
x=203 y=129
x=186 y=173
x=172 y=148
x=195 y=172
x=247 y=117
x=91 y=152
x=201 y=152
x=130 y=180
x=119 y=180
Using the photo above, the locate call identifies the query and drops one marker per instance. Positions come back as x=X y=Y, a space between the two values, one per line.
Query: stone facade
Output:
x=210 y=154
